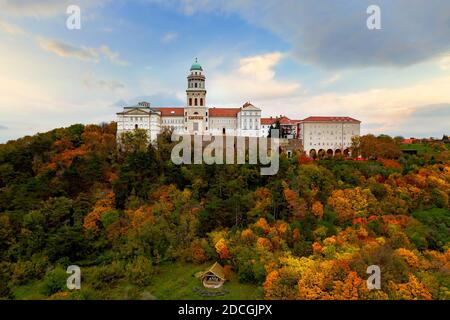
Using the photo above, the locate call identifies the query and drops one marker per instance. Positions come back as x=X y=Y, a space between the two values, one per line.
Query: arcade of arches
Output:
x=322 y=153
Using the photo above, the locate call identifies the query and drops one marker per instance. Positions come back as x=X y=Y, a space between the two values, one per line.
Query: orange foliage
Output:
x=302 y=159
x=296 y=234
x=409 y=256
x=138 y=217
x=263 y=244
x=101 y=206
x=247 y=235
x=269 y=284
x=317 y=247
x=295 y=205
x=222 y=249
x=349 y=288
x=198 y=253
x=412 y=290
x=262 y=224
x=228 y=270
x=389 y=163
x=350 y=203
x=67 y=156
x=317 y=209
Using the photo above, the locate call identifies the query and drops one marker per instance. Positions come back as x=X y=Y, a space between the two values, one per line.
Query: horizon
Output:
x=395 y=80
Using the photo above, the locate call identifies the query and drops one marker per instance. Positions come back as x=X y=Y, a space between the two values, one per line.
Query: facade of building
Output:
x=195 y=118
x=328 y=135
x=319 y=135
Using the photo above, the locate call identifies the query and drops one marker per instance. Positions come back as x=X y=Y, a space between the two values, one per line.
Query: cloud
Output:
x=381 y=110
x=333 y=79
x=254 y=78
x=66 y=50
x=11 y=28
x=438 y=115
x=444 y=62
x=43 y=8
x=160 y=99
x=2 y=127
x=113 y=57
x=169 y=37
x=333 y=34
x=112 y=85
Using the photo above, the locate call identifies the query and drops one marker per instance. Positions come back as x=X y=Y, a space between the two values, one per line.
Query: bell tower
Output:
x=196 y=90
x=196 y=113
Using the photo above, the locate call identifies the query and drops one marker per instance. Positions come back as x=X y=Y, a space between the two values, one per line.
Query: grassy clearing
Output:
x=176 y=281
x=422 y=147
x=171 y=282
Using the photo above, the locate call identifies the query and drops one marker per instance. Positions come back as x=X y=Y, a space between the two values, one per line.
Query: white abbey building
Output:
x=196 y=118
x=331 y=135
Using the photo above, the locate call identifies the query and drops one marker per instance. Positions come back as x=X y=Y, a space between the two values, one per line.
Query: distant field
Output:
x=422 y=147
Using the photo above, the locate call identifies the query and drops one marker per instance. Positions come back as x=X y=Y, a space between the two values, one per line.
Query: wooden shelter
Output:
x=214 y=277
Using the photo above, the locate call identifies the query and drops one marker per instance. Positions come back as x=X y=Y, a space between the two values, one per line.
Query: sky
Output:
x=297 y=58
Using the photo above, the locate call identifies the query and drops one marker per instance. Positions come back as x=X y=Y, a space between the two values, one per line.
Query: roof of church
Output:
x=223 y=112
x=171 y=112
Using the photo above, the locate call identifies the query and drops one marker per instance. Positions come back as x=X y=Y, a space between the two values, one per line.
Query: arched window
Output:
x=136 y=126
x=190 y=101
x=196 y=102
x=196 y=84
x=201 y=102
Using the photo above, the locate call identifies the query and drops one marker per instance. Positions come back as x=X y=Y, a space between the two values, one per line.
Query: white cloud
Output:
x=253 y=79
x=66 y=50
x=169 y=37
x=333 y=79
x=91 y=82
x=382 y=110
x=43 y=8
x=113 y=57
x=444 y=62
x=333 y=34
x=11 y=28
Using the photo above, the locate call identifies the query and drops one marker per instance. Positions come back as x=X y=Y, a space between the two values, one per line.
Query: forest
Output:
x=70 y=197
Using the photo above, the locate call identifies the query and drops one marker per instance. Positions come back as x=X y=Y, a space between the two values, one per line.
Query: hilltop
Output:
x=133 y=221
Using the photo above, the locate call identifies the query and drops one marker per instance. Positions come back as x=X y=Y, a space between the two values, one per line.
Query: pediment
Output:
x=135 y=112
x=250 y=107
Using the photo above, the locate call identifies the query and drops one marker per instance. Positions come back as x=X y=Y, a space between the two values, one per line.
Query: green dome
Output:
x=196 y=66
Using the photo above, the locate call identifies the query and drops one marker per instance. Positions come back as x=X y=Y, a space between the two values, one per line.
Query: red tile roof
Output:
x=268 y=121
x=330 y=119
x=287 y=121
x=171 y=112
x=224 y=112
x=283 y=121
x=408 y=141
